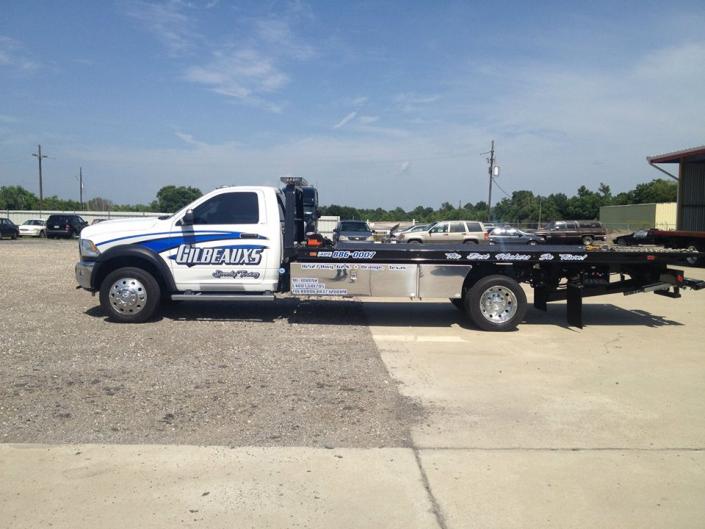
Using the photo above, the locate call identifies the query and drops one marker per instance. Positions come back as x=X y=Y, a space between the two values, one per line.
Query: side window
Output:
x=457 y=227
x=474 y=226
x=228 y=208
x=440 y=228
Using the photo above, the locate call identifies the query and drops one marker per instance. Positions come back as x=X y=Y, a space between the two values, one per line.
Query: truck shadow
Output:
x=389 y=314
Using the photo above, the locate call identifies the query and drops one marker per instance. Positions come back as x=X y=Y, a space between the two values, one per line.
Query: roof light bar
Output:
x=293 y=181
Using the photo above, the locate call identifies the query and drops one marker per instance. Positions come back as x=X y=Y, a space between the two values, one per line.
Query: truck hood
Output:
x=111 y=229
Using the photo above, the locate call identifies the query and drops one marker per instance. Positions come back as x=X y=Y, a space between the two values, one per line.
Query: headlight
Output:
x=343 y=238
x=87 y=249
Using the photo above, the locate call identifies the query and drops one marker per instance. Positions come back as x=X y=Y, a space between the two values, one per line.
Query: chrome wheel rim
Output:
x=128 y=296
x=498 y=304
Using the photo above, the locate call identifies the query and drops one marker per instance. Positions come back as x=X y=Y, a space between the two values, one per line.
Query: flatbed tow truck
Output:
x=249 y=243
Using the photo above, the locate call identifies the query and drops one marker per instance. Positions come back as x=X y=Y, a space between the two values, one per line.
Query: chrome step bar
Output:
x=200 y=296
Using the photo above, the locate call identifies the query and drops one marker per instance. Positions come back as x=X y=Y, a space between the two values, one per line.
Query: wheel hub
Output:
x=128 y=295
x=498 y=304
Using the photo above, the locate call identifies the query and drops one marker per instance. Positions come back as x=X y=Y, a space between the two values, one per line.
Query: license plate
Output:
x=56 y=227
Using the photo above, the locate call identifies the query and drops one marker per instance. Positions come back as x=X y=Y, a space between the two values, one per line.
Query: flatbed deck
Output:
x=505 y=254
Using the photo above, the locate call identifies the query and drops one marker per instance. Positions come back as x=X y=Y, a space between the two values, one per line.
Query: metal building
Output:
x=691 y=185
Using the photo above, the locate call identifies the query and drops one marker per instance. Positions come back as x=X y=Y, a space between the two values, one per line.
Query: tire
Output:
x=470 y=241
x=587 y=240
x=509 y=310
x=414 y=241
x=458 y=303
x=13 y=237
x=42 y=234
x=532 y=243
x=129 y=295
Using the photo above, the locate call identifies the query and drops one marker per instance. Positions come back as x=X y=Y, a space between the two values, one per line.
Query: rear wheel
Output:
x=496 y=303
x=470 y=241
x=129 y=295
x=42 y=234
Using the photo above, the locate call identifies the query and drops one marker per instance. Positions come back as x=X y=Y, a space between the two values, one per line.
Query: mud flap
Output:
x=575 y=305
x=541 y=298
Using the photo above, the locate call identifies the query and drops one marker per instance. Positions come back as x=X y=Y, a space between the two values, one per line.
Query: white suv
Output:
x=451 y=231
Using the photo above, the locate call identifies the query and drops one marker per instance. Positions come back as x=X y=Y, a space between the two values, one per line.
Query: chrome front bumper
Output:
x=84 y=271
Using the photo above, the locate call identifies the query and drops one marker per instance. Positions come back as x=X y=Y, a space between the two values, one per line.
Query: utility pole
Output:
x=539 y=224
x=80 y=186
x=39 y=157
x=490 y=160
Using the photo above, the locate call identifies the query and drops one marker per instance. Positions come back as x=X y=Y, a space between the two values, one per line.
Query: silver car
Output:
x=33 y=228
x=449 y=232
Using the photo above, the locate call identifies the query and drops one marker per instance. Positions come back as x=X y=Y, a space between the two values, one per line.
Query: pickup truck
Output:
x=251 y=243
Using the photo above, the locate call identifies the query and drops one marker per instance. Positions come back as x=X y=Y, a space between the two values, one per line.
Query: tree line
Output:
x=168 y=200
x=521 y=207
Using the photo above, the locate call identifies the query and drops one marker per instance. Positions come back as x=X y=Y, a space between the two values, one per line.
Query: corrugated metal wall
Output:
x=692 y=197
x=19 y=216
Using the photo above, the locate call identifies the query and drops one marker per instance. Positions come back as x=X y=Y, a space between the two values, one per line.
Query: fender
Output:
x=132 y=252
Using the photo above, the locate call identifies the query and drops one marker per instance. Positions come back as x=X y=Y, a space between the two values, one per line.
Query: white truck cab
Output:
x=229 y=240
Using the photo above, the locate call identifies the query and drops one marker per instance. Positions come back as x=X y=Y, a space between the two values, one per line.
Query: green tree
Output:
x=172 y=198
x=17 y=197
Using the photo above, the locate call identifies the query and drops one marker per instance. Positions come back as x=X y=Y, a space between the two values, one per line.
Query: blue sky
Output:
x=378 y=103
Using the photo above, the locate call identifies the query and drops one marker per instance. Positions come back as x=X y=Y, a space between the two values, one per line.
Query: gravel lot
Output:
x=285 y=373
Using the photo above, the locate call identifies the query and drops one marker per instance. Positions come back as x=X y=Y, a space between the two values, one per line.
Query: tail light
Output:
x=486 y=236
x=67 y=227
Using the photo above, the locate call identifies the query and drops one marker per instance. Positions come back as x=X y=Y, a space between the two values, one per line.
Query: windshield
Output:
x=354 y=226
x=33 y=223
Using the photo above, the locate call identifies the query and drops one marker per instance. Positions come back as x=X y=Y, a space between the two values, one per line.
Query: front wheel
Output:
x=496 y=303
x=129 y=295
x=587 y=240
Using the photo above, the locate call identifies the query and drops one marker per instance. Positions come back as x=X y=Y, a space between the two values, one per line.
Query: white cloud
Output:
x=243 y=74
x=278 y=33
x=14 y=55
x=410 y=101
x=347 y=119
x=366 y=120
x=168 y=22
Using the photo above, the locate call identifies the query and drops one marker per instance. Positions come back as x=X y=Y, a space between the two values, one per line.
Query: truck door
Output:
x=228 y=246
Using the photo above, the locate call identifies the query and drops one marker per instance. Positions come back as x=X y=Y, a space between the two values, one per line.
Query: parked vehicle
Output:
x=513 y=236
x=453 y=231
x=33 y=228
x=64 y=225
x=394 y=236
x=572 y=232
x=239 y=244
x=694 y=240
x=8 y=229
x=352 y=231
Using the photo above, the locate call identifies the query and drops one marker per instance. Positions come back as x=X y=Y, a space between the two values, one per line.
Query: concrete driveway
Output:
x=552 y=426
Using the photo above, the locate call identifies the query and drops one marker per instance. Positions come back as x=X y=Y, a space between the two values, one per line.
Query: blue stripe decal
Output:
x=169 y=243
x=191 y=234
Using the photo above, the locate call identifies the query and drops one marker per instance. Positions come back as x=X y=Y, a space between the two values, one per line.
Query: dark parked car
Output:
x=8 y=229
x=513 y=236
x=573 y=232
x=352 y=231
x=64 y=226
